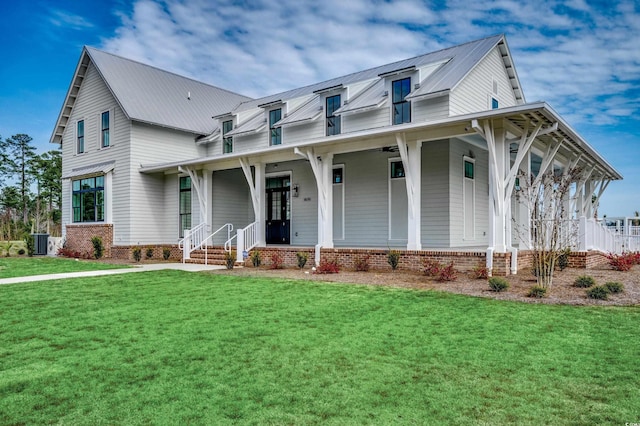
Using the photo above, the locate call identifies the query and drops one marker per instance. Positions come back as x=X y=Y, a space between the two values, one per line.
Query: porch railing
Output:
x=588 y=234
x=246 y=239
x=196 y=238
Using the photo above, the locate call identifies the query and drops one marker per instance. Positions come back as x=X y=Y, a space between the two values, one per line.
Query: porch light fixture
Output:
x=296 y=189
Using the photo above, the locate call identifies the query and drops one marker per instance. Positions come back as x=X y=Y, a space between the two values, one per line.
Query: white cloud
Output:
x=62 y=18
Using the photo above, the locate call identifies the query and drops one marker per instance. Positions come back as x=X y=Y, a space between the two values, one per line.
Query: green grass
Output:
x=175 y=348
x=38 y=265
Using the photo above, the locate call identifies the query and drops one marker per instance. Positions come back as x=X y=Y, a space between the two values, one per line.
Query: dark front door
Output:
x=278 y=210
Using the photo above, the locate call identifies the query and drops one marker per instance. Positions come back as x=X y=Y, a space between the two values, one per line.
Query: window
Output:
x=337 y=175
x=185 y=204
x=88 y=199
x=275 y=132
x=333 y=121
x=104 y=127
x=227 y=141
x=468 y=169
x=401 y=108
x=397 y=170
x=80 y=137
x=494 y=103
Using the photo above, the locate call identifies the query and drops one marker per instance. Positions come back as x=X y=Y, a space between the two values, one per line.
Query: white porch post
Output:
x=257 y=192
x=411 y=155
x=322 y=167
x=498 y=166
x=207 y=185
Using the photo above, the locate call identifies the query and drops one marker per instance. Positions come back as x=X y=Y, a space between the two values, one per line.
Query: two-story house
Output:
x=419 y=155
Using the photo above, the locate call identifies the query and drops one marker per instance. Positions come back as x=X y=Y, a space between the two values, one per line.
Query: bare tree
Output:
x=551 y=230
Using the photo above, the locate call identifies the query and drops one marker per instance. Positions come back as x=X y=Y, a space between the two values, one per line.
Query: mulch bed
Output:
x=562 y=290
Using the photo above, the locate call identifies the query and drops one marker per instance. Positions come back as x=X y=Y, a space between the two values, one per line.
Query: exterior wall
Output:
x=474 y=93
x=380 y=117
x=434 y=220
x=430 y=109
x=126 y=252
x=458 y=149
x=231 y=202
x=149 y=221
x=93 y=99
x=304 y=132
x=79 y=238
x=248 y=143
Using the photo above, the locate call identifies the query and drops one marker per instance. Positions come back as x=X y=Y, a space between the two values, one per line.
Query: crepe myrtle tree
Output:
x=551 y=229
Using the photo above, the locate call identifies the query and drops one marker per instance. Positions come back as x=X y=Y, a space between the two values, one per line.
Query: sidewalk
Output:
x=189 y=267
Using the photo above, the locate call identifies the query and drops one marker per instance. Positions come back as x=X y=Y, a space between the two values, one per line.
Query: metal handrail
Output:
x=199 y=242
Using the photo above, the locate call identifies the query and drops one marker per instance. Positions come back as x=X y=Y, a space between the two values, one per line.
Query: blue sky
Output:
x=582 y=57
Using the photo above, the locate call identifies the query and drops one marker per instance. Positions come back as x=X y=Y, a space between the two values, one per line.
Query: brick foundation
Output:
x=126 y=252
x=78 y=238
x=587 y=259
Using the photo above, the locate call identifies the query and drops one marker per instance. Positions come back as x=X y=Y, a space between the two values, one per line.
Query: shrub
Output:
x=447 y=273
x=537 y=291
x=137 y=253
x=599 y=292
x=256 y=258
x=622 y=262
x=361 y=263
x=29 y=242
x=166 y=253
x=498 y=284
x=229 y=259
x=614 y=287
x=277 y=261
x=393 y=258
x=328 y=267
x=98 y=248
x=302 y=259
x=584 y=281
x=431 y=267
x=480 y=272
x=149 y=253
x=563 y=259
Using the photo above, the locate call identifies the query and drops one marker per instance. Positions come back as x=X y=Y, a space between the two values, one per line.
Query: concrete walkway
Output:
x=189 y=267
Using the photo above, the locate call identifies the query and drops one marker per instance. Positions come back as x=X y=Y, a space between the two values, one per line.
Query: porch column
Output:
x=411 y=155
x=207 y=184
x=257 y=192
x=322 y=167
x=498 y=166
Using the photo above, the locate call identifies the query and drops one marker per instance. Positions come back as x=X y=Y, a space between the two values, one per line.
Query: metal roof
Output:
x=373 y=96
x=252 y=125
x=99 y=168
x=151 y=95
x=461 y=60
x=309 y=111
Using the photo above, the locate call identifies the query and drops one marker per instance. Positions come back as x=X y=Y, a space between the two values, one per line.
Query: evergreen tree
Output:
x=19 y=152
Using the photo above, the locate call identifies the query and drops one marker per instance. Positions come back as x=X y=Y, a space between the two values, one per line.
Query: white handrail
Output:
x=195 y=239
x=247 y=238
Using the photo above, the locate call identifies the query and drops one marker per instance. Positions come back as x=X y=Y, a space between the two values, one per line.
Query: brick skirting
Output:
x=78 y=237
x=126 y=252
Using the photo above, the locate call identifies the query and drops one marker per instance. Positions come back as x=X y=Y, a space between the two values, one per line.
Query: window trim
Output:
x=341 y=183
x=227 y=139
x=108 y=129
x=95 y=190
x=272 y=129
x=403 y=102
x=336 y=118
x=83 y=136
x=180 y=214
x=393 y=161
x=471 y=208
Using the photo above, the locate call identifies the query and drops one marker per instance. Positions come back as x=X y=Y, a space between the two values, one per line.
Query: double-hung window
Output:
x=333 y=121
x=185 y=204
x=227 y=141
x=80 y=137
x=105 y=140
x=401 y=108
x=275 y=132
x=88 y=199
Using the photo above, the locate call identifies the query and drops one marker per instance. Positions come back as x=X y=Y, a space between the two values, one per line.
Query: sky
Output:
x=581 y=57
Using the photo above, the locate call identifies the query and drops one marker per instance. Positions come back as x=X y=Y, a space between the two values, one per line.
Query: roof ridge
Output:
x=91 y=48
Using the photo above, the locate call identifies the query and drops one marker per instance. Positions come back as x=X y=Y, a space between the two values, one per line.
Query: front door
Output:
x=278 y=210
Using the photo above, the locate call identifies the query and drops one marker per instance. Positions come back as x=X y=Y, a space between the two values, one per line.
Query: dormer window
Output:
x=401 y=108
x=275 y=133
x=227 y=141
x=333 y=121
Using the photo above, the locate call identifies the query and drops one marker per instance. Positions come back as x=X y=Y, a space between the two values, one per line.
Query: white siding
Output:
x=231 y=202
x=251 y=142
x=458 y=149
x=150 y=222
x=474 y=93
x=380 y=117
x=303 y=132
x=430 y=109
x=94 y=98
x=435 y=194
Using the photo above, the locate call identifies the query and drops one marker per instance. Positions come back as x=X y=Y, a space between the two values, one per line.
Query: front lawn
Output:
x=175 y=347
x=39 y=265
